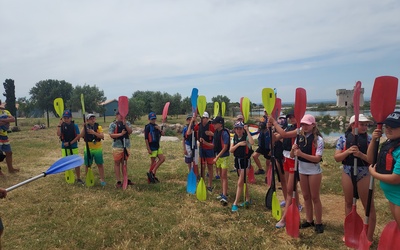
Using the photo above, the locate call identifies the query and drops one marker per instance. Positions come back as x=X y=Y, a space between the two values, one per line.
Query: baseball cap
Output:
x=239 y=117
x=361 y=118
x=290 y=113
x=205 y=114
x=308 y=119
x=90 y=116
x=393 y=120
x=219 y=120
x=189 y=116
x=67 y=113
x=239 y=125
x=152 y=116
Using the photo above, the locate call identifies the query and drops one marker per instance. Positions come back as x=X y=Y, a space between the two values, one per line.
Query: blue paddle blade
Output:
x=65 y=163
x=193 y=98
x=191 y=182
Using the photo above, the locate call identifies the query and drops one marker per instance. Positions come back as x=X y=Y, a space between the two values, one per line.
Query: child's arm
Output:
x=283 y=133
x=249 y=137
x=372 y=146
x=393 y=178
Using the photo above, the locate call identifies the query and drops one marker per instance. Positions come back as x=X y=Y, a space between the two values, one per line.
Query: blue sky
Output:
x=222 y=47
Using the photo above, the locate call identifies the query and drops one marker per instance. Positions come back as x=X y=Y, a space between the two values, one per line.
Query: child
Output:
x=221 y=143
x=3 y=194
x=240 y=148
x=190 y=146
x=119 y=131
x=345 y=152
x=152 y=136
x=387 y=168
x=69 y=135
x=309 y=151
x=5 y=145
x=264 y=142
x=93 y=138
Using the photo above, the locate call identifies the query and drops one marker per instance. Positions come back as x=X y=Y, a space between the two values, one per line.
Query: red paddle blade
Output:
x=123 y=106
x=390 y=237
x=383 y=98
x=300 y=104
x=293 y=220
x=165 y=112
x=277 y=108
x=356 y=102
x=353 y=226
x=363 y=242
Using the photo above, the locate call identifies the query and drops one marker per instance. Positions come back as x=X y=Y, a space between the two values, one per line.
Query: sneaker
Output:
x=300 y=208
x=210 y=189
x=280 y=224
x=283 y=203
x=118 y=184
x=150 y=178
x=79 y=181
x=219 y=197
x=130 y=183
x=319 y=228
x=307 y=224
x=245 y=204
x=155 y=178
x=103 y=183
x=259 y=171
x=217 y=177
x=234 y=208
x=224 y=200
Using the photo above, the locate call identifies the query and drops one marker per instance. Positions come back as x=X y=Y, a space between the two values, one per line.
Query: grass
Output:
x=51 y=214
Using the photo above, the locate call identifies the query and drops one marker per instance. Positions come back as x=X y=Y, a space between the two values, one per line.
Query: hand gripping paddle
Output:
x=123 y=109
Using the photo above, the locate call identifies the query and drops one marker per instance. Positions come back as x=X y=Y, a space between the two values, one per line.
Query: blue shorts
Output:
x=361 y=171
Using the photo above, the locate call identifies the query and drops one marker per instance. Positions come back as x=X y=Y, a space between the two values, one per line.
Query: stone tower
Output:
x=344 y=97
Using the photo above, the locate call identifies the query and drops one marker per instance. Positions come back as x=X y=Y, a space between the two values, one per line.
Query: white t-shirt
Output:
x=309 y=168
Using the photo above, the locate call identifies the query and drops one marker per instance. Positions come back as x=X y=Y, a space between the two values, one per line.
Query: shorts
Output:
x=242 y=163
x=118 y=154
x=189 y=156
x=288 y=165
x=264 y=152
x=154 y=153
x=361 y=171
x=67 y=151
x=5 y=144
x=96 y=155
x=222 y=162
x=207 y=156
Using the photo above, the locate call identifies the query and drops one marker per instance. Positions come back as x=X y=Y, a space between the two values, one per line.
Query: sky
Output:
x=222 y=47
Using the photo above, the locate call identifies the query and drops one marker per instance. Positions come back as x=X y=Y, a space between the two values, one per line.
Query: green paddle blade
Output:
x=246 y=108
x=201 y=104
x=201 y=192
x=223 y=109
x=268 y=99
x=89 y=178
x=216 y=109
x=59 y=106
x=83 y=104
x=276 y=207
x=69 y=176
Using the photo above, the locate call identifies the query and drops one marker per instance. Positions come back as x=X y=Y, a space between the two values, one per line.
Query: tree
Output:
x=93 y=97
x=25 y=106
x=9 y=88
x=220 y=99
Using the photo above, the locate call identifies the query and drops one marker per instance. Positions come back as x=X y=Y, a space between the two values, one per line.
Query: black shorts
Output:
x=242 y=163
x=264 y=152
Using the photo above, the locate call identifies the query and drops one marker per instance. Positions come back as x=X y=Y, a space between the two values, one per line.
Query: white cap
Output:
x=361 y=118
x=205 y=114
x=90 y=116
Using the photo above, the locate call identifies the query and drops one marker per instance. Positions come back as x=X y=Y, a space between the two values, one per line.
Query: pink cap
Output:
x=308 y=119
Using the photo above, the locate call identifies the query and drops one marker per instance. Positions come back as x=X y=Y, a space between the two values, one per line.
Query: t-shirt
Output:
x=119 y=143
x=392 y=191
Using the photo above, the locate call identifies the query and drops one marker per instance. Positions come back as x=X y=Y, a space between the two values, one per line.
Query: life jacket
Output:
x=118 y=129
x=68 y=132
x=307 y=146
x=153 y=135
x=288 y=142
x=362 y=146
x=264 y=139
x=202 y=132
x=241 y=152
x=92 y=138
x=219 y=141
x=385 y=162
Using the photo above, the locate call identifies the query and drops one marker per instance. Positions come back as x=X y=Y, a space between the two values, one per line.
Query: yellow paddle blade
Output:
x=268 y=99
x=276 y=207
x=201 y=192
x=216 y=109
x=83 y=103
x=246 y=108
x=244 y=190
x=69 y=176
x=59 y=106
x=89 y=178
x=223 y=108
x=201 y=104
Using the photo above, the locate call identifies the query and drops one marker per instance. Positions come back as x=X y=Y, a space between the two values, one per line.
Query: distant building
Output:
x=111 y=106
x=344 y=97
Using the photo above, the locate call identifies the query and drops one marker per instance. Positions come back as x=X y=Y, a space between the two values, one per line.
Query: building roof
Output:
x=108 y=101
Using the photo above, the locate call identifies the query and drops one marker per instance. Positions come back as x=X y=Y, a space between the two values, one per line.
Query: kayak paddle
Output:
x=353 y=223
x=89 y=175
x=201 y=191
x=223 y=108
x=390 y=237
x=245 y=107
x=191 y=179
x=123 y=109
x=216 y=109
x=292 y=214
x=59 y=108
x=61 y=165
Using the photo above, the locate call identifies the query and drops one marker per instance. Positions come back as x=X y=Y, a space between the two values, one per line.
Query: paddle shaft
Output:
x=25 y=182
